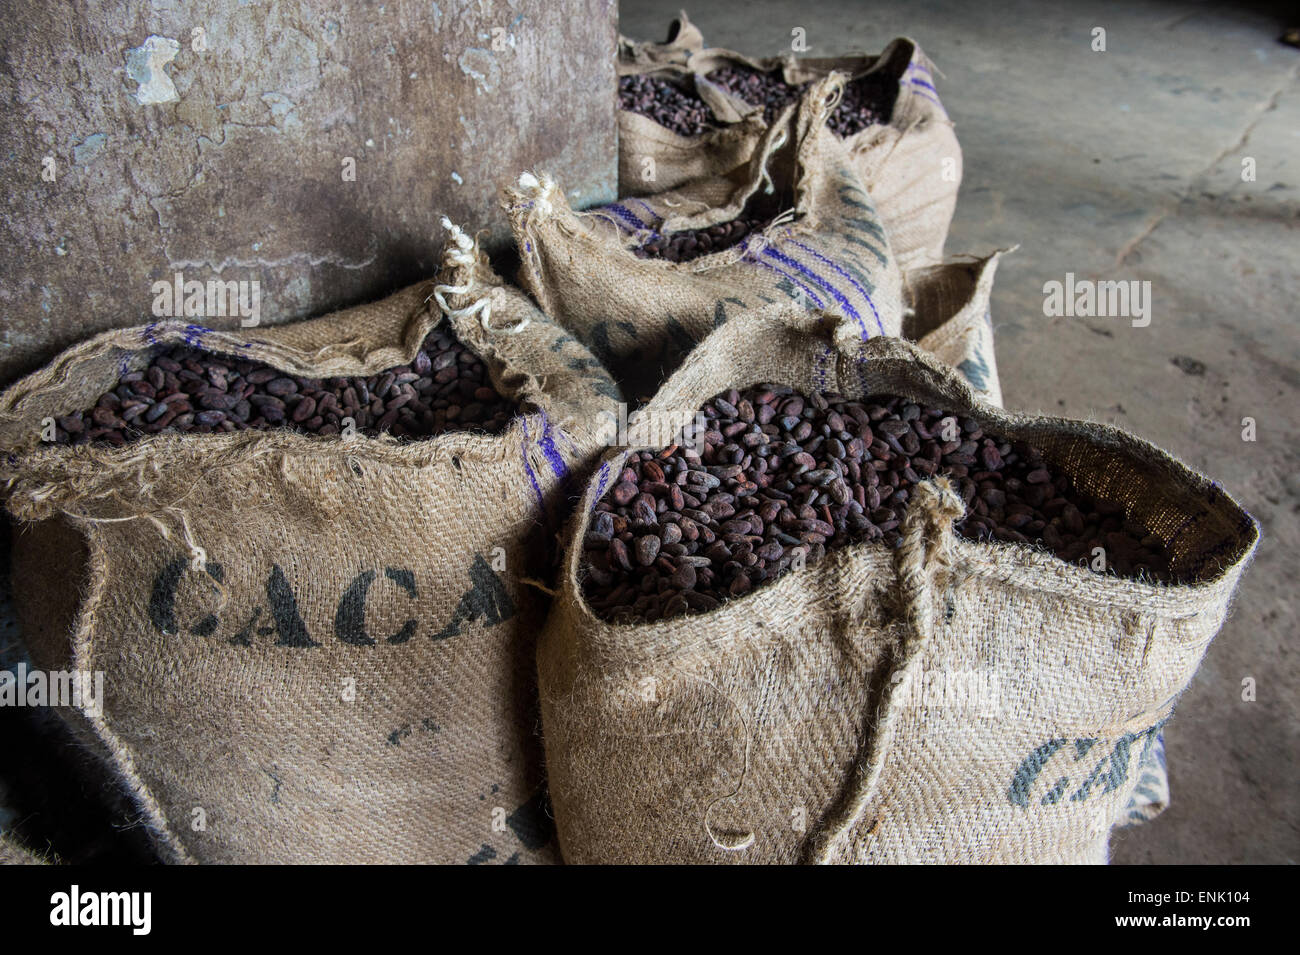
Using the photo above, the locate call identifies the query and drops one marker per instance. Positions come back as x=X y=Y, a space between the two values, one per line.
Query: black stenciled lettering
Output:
x=486 y=599
x=162 y=598
x=350 y=619
x=284 y=611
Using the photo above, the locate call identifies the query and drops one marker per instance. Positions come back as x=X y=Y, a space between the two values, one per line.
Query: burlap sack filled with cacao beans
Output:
x=824 y=247
x=651 y=157
x=315 y=649
x=909 y=161
x=790 y=724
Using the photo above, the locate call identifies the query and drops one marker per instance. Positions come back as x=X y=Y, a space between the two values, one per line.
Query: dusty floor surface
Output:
x=1128 y=164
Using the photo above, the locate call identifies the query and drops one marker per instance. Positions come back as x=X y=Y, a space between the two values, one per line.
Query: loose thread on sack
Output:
x=198 y=555
x=536 y=192
x=927 y=533
x=532 y=582
x=736 y=841
x=769 y=187
x=462 y=252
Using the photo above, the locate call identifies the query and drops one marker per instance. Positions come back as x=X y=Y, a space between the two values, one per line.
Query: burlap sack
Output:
x=827 y=249
x=949 y=316
x=800 y=722
x=911 y=164
x=684 y=38
x=314 y=649
x=653 y=158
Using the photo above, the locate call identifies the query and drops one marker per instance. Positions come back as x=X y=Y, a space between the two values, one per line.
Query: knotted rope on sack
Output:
x=922 y=554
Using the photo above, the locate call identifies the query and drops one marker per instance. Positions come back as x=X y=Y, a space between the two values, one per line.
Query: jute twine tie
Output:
x=927 y=533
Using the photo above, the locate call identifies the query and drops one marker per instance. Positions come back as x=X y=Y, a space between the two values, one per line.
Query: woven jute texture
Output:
x=826 y=249
x=948 y=701
x=315 y=649
x=684 y=38
x=949 y=315
x=911 y=163
x=11 y=853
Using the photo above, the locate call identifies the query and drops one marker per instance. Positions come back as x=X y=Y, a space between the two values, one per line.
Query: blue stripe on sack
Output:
x=848 y=200
x=655 y=216
x=553 y=456
x=194 y=335
x=794 y=281
x=835 y=293
x=626 y=215
x=925 y=84
x=819 y=366
x=532 y=478
x=854 y=240
x=862 y=375
x=931 y=97
x=869 y=226
x=859 y=275
x=925 y=90
x=852 y=281
x=602 y=480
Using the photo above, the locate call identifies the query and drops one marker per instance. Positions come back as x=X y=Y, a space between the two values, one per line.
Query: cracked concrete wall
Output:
x=307 y=146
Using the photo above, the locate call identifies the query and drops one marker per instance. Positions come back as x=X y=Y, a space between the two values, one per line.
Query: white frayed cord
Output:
x=460 y=251
x=770 y=186
x=757 y=242
x=539 y=189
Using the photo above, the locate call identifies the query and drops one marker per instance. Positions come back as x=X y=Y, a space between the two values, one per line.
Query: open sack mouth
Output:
x=186 y=390
x=686 y=245
x=669 y=101
x=867 y=100
x=773 y=479
x=672 y=103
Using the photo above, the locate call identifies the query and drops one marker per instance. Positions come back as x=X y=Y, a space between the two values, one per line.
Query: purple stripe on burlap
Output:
x=819 y=366
x=654 y=216
x=602 y=481
x=862 y=375
x=793 y=281
x=920 y=91
x=835 y=293
x=626 y=215
x=852 y=281
x=553 y=456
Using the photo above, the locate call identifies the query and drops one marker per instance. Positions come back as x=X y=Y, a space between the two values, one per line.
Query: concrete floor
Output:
x=1127 y=164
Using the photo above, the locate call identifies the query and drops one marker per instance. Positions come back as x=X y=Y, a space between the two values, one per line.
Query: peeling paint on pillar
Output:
x=146 y=64
x=133 y=151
